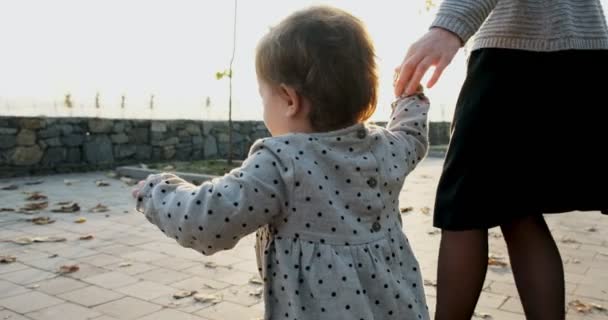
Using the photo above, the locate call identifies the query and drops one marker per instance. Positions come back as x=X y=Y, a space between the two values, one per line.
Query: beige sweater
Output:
x=535 y=25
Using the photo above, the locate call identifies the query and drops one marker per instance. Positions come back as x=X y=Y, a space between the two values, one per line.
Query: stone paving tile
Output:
x=30 y=301
x=198 y=283
x=147 y=290
x=162 y=275
x=101 y=260
x=111 y=280
x=26 y=276
x=128 y=308
x=59 y=285
x=64 y=311
x=9 y=315
x=228 y=311
x=91 y=296
x=171 y=314
x=8 y=289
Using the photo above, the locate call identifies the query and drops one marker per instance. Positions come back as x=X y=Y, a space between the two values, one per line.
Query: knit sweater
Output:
x=534 y=25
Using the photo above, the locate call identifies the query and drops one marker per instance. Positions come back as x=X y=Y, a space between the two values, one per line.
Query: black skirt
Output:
x=529 y=136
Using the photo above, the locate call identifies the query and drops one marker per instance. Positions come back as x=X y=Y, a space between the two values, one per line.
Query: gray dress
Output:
x=326 y=210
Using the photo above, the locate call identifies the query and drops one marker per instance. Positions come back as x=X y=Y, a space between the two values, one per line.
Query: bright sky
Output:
x=172 y=49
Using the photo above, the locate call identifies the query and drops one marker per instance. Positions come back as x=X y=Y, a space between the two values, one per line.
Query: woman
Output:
x=529 y=91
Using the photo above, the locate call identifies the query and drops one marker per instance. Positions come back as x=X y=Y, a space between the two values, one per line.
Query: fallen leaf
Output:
x=407 y=209
x=9 y=187
x=434 y=232
x=30 y=240
x=210 y=265
x=569 y=240
x=430 y=283
x=7 y=259
x=64 y=203
x=482 y=315
x=71 y=207
x=256 y=292
x=102 y=183
x=256 y=280
x=495 y=235
x=6 y=209
x=124 y=265
x=69 y=268
x=99 y=208
x=425 y=210
x=35 y=206
x=591 y=229
x=54 y=255
x=33 y=182
x=80 y=220
x=128 y=181
x=583 y=307
x=496 y=261
x=87 y=237
x=41 y=220
x=208 y=298
x=69 y=182
x=183 y=294
x=35 y=196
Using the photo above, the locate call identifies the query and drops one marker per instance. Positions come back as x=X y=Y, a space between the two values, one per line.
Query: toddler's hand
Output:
x=136 y=189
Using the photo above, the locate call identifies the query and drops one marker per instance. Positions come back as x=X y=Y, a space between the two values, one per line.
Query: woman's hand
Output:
x=436 y=48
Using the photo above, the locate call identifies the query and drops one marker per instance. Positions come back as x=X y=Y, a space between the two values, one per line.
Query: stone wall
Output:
x=46 y=145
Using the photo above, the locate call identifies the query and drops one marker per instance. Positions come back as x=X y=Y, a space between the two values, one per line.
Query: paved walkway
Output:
x=129 y=270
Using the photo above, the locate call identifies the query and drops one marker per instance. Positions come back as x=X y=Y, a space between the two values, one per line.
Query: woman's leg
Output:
x=537 y=267
x=461 y=272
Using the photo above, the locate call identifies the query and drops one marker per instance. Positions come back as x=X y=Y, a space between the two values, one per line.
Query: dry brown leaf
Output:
x=69 y=208
x=80 y=220
x=183 y=294
x=99 y=208
x=405 y=210
x=35 y=196
x=54 y=255
x=71 y=268
x=128 y=181
x=6 y=209
x=33 y=182
x=35 y=206
x=7 y=259
x=434 y=232
x=87 y=237
x=30 y=240
x=495 y=235
x=496 y=261
x=208 y=298
x=591 y=229
x=124 y=265
x=482 y=315
x=210 y=265
x=569 y=240
x=41 y=220
x=256 y=280
x=256 y=292
x=9 y=187
x=425 y=210
x=102 y=183
x=430 y=283
x=69 y=182
x=583 y=307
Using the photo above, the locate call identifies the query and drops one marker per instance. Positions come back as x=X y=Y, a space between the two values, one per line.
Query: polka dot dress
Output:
x=326 y=211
